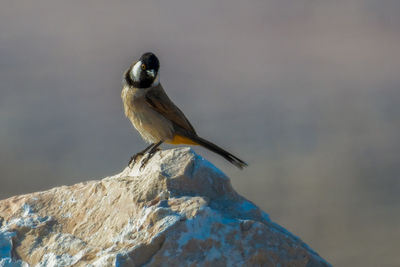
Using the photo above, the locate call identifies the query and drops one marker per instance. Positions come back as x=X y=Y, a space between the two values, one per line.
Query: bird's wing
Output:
x=158 y=100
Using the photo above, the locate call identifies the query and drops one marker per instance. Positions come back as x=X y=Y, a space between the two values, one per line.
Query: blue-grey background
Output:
x=308 y=92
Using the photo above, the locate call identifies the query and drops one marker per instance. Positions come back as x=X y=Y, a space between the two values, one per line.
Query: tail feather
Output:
x=216 y=149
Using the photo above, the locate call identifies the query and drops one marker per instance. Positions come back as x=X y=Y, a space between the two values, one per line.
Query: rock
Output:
x=178 y=211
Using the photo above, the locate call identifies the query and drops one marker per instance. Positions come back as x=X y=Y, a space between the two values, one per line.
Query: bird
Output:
x=155 y=116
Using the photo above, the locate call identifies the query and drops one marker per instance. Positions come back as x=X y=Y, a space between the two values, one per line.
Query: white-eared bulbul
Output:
x=155 y=116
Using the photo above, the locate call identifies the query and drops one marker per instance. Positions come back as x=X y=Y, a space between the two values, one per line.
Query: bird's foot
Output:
x=134 y=159
x=147 y=158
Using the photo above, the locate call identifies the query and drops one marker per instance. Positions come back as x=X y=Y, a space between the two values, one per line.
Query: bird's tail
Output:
x=216 y=149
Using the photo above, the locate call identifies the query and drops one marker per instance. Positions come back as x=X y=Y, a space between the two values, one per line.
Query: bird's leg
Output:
x=140 y=154
x=151 y=153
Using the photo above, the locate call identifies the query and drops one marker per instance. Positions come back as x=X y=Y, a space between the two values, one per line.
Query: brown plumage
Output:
x=155 y=116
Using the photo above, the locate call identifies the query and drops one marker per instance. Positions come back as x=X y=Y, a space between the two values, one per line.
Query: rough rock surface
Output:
x=178 y=211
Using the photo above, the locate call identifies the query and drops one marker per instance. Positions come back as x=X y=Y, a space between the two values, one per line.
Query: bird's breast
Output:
x=152 y=126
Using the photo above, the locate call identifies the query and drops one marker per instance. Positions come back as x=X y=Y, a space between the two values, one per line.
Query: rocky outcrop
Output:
x=179 y=210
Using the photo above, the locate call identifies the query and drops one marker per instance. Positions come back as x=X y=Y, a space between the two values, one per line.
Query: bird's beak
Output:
x=151 y=73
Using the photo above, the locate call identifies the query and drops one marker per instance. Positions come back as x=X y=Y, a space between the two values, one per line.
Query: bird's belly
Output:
x=152 y=126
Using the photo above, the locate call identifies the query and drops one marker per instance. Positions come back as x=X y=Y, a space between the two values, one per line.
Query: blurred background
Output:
x=306 y=91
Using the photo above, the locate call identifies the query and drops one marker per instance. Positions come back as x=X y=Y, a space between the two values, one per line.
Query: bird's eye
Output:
x=143 y=67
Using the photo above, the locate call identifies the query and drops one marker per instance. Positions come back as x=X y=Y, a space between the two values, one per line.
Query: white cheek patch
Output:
x=135 y=72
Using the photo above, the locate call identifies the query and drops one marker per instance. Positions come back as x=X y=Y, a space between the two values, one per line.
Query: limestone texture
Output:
x=180 y=210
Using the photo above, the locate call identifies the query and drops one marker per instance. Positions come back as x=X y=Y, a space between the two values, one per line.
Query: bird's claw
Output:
x=147 y=158
x=134 y=159
x=144 y=162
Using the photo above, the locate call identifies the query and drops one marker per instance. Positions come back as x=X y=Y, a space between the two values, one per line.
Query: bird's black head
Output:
x=144 y=73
